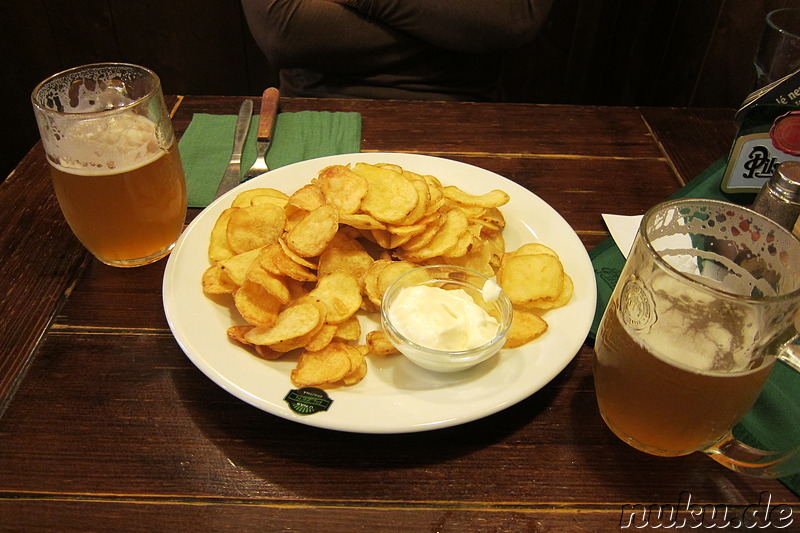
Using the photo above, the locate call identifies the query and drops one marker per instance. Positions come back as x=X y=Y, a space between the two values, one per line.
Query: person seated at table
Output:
x=392 y=49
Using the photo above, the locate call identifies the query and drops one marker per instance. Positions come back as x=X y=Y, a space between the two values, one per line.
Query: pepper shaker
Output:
x=779 y=198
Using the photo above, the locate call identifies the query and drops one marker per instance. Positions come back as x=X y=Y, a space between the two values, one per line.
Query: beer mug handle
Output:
x=736 y=455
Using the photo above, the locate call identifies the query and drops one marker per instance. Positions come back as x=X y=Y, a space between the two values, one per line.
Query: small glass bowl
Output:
x=447 y=277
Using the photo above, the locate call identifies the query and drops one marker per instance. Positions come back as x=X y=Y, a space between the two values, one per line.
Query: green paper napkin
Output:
x=774 y=418
x=207 y=144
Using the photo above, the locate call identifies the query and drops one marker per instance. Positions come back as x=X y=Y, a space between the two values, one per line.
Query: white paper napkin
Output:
x=623 y=230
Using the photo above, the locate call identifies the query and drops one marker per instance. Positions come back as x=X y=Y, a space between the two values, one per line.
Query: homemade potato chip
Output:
x=447 y=236
x=495 y=198
x=343 y=188
x=345 y=254
x=341 y=294
x=531 y=279
x=256 y=305
x=379 y=343
x=313 y=233
x=274 y=259
x=328 y=365
x=292 y=322
x=349 y=330
x=236 y=267
x=390 y=196
x=525 y=326
x=307 y=198
x=260 y=196
x=562 y=299
x=218 y=247
x=321 y=338
x=237 y=333
x=255 y=226
x=216 y=281
x=273 y=284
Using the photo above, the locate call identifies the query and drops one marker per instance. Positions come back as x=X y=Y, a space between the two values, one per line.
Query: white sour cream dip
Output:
x=441 y=319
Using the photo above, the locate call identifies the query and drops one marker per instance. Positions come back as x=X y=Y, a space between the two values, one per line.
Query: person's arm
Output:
x=322 y=35
x=468 y=26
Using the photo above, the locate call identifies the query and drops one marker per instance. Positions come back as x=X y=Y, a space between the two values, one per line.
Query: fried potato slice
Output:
x=342 y=188
x=423 y=198
x=358 y=364
x=390 y=196
x=216 y=281
x=345 y=254
x=257 y=306
x=293 y=322
x=237 y=333
x=260 y=196
x=312 y=234
x=274 y=259
x=321 y=338
x=218 y=247
x=341 y=293
x=531 y=248
x=274 y=284
x=370 y=281
x=562 y=299
x=326 y=366
x=379 y=344
x=307 y=198
x=265 y=352
x=423 y=238
x=495 y=198
x=531 y=279
x=236 y=267
x=525 y=326
x=349 y=330
x=361 y=221
x=294 y=257
x=455 y=223
x=255 y=226
x=387 y=275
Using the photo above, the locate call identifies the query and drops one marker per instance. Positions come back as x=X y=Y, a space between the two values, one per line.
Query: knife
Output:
x=266 y=127
x=233 y=174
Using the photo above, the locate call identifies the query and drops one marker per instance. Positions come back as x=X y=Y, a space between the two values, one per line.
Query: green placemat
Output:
x=207 y=144
x=774 y=419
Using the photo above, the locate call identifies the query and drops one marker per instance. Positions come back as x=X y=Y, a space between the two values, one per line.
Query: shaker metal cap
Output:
x=787 y=178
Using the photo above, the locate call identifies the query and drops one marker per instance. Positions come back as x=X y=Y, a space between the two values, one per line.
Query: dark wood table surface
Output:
x=106 y=425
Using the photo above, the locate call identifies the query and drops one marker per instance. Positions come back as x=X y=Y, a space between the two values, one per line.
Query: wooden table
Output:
x=106 y=425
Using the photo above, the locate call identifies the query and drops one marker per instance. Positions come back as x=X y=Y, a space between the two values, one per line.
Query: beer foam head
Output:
x=101 y=118
x=105 y=144
x=699 y=330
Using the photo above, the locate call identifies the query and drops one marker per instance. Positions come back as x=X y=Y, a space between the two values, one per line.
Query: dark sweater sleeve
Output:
x=465 y=26
x=324 y=36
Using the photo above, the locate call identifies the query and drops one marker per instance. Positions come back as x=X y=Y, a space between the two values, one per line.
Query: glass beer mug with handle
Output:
x=113 y=160
x=705 y=305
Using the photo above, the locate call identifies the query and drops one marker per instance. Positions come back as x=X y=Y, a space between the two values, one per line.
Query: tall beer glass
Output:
x=113 y=160
x=705 y=304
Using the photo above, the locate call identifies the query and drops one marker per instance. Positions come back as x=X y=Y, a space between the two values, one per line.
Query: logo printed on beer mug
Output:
x=636 y=305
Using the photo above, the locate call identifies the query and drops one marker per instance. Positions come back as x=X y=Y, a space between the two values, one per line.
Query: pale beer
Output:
x=134 y=213
x=662 y=406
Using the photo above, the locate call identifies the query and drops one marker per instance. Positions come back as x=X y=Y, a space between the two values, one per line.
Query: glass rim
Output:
x=37 y=89
x=773 y=24
x=675 y=204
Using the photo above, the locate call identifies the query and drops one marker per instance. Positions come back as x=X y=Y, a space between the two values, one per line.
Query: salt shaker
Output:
x=779 y=198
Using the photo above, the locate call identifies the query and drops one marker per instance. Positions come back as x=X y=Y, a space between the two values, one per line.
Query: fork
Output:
x=266 y=127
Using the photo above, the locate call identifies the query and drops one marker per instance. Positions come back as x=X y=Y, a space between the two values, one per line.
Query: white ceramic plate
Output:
x=396 y=396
